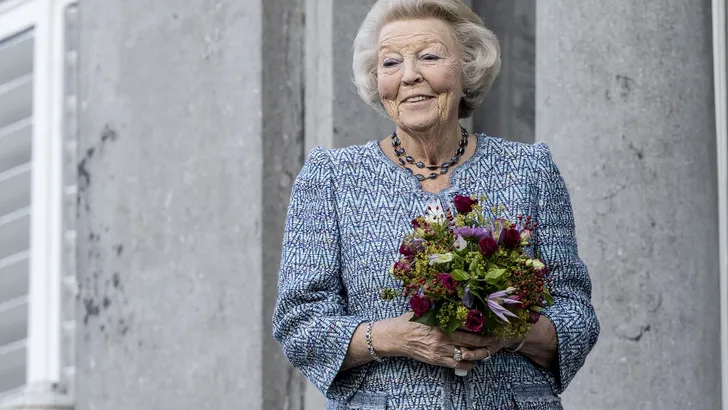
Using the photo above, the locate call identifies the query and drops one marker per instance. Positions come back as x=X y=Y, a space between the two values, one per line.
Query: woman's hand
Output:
x=400 y=337
x=471 y=342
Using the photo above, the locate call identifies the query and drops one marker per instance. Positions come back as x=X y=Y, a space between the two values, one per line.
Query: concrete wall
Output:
x=625 y=99
x=192 y=119
x=283 y=155
x=182 y=195
x=509 y=109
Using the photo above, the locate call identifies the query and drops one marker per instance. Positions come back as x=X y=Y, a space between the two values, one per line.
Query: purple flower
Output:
x=412 y=247
x=519 y=299
x=472 y=232
x=447 y=281
x=497 y=299
x=417 y=244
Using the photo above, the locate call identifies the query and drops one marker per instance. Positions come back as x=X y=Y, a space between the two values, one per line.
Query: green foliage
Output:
x=460 y=275
x=389 y=294
x=429 y=318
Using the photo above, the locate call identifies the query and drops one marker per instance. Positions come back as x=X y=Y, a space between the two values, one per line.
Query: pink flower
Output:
x=464 y=204
x=447 y=281
x=475 y=321
x=420 y=305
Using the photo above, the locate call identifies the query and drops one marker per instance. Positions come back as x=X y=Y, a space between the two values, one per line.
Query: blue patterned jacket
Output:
x=349 y=210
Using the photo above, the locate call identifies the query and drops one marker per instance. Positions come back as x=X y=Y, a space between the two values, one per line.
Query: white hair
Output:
x=478 y=47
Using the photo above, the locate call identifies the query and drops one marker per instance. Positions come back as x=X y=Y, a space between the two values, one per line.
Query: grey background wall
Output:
x=509 y=108
x=193 y=125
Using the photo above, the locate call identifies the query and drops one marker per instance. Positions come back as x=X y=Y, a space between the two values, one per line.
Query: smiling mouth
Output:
x=418 y=98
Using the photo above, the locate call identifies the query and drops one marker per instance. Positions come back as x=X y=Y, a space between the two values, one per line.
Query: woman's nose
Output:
x=411 y=73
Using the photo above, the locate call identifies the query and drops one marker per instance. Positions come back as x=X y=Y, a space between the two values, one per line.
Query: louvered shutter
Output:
x=16 y=93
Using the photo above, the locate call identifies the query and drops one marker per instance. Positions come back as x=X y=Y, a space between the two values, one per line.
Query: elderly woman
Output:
x=426 y=64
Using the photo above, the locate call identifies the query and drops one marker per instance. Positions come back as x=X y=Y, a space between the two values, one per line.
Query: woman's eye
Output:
x=430 y=57
x=389 y=63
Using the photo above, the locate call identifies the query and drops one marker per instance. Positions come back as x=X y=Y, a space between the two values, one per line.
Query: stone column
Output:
x=190 y=134
x=625 y=100
x=283 y=155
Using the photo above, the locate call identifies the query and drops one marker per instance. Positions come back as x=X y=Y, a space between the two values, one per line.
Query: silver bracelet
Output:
x=520 y=345
x=369 y=342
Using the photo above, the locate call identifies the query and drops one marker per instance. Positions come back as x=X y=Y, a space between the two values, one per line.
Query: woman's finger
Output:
x=475 y=355
x=470 y=339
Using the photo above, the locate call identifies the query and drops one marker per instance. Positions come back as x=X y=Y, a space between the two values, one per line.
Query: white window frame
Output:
x=44 y=360
x=720 y=73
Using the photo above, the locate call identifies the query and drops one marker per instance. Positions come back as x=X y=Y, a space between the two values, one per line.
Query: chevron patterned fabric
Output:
x=349 y=210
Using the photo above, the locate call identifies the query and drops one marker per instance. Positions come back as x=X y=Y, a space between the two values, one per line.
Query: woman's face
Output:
x=419 y=73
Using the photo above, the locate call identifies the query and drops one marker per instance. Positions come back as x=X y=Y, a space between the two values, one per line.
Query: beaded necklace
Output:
x=404 y=159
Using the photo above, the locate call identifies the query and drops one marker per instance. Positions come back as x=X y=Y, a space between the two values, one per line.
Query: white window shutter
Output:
x=16 y=93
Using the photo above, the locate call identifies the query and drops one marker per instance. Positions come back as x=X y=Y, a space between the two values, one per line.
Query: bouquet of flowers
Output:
x=471 y=273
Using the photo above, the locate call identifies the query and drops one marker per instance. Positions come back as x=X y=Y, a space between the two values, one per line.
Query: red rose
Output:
x=475 y=321
x=464 y=204
x=511 y=238
x=447 y=281
x=488 y=246
x=533 y=317
x=420 y=305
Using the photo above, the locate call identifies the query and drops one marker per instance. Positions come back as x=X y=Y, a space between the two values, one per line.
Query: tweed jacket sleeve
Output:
x=310 y=319
x=572 y=314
